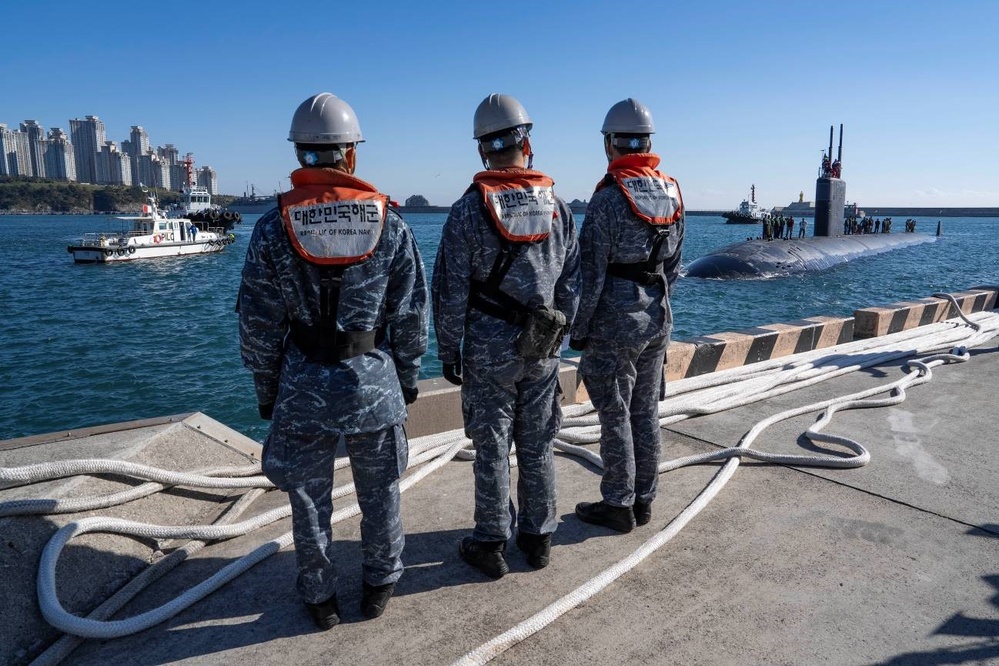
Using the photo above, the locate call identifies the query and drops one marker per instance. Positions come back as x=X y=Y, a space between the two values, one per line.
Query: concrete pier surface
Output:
x=893 y=563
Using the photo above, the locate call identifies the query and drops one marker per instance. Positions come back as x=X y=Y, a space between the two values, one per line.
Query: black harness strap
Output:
x=486 y=295
x=647 y=272
x=322 y=342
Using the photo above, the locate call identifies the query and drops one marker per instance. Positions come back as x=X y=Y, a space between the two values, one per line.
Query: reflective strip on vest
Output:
x=338 y=231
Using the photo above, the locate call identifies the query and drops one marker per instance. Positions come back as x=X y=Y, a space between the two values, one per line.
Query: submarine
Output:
x=827 y=246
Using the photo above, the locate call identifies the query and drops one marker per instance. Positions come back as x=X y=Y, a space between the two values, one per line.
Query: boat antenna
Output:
x=839 y=156
x=830 y=142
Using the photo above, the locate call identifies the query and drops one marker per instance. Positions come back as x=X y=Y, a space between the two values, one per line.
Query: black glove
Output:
x=452 y=373
x=266 y=411
x=578 y=343
x=409 y=394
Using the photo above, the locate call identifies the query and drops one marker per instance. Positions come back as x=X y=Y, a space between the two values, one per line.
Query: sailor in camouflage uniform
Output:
x=333 y=323
x=504 y=289
x=630 y=246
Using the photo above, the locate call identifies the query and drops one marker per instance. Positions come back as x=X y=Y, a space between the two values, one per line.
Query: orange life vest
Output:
x=520 y=201
x=332 y=218
x=652 y=195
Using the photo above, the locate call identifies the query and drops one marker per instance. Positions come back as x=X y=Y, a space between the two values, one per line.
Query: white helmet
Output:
x=498 y=112
x=325 y=118
x=629 y=116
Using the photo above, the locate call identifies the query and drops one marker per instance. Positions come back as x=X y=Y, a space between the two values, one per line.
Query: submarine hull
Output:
x=759 y=258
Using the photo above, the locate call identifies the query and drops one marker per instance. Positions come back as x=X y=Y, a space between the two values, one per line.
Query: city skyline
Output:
x=742 y=93
x=86 y=155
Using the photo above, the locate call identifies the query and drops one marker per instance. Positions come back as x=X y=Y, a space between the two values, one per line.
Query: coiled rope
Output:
x=690 y=397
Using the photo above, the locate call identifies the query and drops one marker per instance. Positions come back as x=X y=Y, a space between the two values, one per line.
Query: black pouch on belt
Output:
x=543 y=331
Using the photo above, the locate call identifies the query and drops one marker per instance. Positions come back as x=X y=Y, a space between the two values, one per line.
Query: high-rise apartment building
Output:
x=59 y=163
x=208 y=179
x=153 y=171
x=6 y=147
x=15 y=154
x=88 y=138
x=169 y=154
x=178 y=177
x=36 y=146
x=138 y=142
x=113 y=166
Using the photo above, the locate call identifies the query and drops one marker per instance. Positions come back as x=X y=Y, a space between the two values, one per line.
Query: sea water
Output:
x=84 y=345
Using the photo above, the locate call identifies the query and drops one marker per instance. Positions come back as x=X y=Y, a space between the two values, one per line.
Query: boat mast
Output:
x=189 y=170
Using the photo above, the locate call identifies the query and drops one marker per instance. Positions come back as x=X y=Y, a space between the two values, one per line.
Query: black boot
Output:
x=486 y=556
x=326 y=615
x=375 y=598
x=643 y=512
x=619 y=518
x=537 y=547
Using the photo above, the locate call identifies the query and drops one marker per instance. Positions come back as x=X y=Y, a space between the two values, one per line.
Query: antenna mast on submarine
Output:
x=830 y=191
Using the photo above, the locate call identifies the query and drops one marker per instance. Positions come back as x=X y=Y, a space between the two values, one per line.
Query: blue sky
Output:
x=742 y=92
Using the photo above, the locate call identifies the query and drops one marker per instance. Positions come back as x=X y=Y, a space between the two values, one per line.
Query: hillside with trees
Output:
x=20 y=194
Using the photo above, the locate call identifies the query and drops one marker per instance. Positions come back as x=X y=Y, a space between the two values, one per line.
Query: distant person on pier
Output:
x=630 y=244
x=505 y=287
x=333 y=326
x=802 y=227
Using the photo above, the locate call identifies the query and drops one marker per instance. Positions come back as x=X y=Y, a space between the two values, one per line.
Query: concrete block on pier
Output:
x=872 y=322
x=698 y=356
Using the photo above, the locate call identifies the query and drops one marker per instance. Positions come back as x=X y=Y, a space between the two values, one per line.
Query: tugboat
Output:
x=151 y=235
x=749 y=211
x=197 y=204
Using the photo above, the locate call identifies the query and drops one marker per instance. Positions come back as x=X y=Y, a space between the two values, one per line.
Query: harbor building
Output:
x=59 y=161
x=88 y=138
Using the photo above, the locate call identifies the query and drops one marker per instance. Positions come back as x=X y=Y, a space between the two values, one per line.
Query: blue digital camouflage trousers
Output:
x=512 y=401
x=301 y=464
x=624 y=384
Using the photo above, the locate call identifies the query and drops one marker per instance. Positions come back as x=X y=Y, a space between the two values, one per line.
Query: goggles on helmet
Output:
x=320 y=154
x=497 y=141
x=641 y=142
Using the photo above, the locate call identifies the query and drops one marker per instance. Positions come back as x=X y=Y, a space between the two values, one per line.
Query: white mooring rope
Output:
x=942 y=343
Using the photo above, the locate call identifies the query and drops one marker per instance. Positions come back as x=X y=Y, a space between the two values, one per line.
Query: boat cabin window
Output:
x=163 y=226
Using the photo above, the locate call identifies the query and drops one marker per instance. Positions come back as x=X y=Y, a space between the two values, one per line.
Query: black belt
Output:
x=511 y=311
x=637 y=272
x=345 y=344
